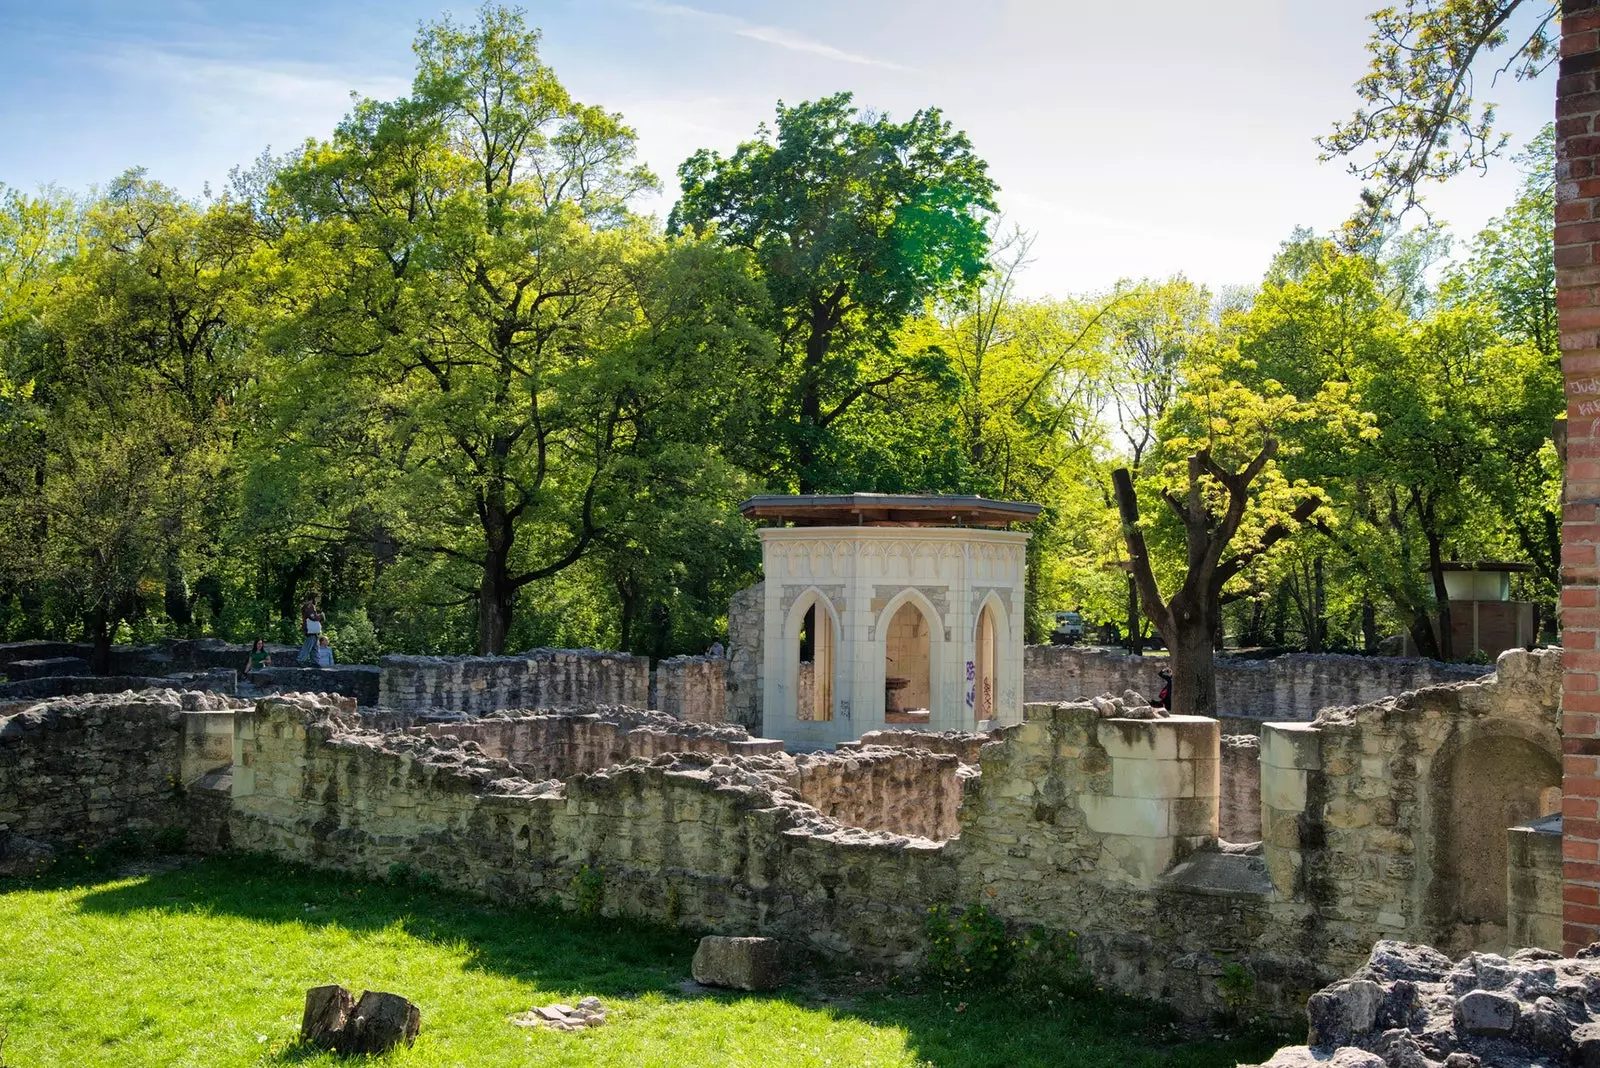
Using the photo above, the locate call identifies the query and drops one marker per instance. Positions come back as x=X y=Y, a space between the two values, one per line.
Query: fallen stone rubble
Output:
x=1411 y=1007
x=588 y=1013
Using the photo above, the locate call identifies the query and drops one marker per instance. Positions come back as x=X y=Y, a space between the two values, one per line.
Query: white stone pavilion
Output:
x=884 y=610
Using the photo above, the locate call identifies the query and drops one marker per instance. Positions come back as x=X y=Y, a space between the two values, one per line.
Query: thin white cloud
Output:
x=227 y=86
x=773 y=35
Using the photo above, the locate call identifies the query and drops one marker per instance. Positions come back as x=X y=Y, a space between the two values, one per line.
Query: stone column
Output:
x=1577 y=257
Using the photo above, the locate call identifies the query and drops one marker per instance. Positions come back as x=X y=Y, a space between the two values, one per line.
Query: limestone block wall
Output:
x=1292 y=687
x=743 y=673
x=1240 y=815
x=1393 y=816
x=1534 y=887
x=681 y=840
x=78 y=771
x=539 y=678
x=216 y=680
x=962 y=744
x=561 y=744
x=903 y=791
x=1379 y=821
x=692 y=688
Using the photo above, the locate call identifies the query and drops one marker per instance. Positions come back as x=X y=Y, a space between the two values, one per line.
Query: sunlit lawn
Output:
x=207 y=965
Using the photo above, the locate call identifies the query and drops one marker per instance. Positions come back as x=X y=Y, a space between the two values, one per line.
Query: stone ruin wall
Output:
x=1295 y=686
x=1241 y=788
x=689 y=839
x=77 y=772
x=560 y=744
x=691 y=688
x=539 y=678
x=745 y=625
x=1403 y=806
x=1380 y=822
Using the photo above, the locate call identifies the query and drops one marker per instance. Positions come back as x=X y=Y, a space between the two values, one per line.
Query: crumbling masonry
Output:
x=1385 y=820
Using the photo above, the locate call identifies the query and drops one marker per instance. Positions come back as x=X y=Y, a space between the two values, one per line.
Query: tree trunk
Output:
x=1258 y=619
x=1319 y=607
x=496 y=596
x=1135 y=633
x=99 y=628
x=1194 y=674
x=1369 y=628
x=1422 y=636
x=175 y=593
x=1441 y=595
x=625 y=625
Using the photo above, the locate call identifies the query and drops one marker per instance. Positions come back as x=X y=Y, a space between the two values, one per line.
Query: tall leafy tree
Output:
x=136 y=360
x=462 y=254
x=1220 y=480
x=855 y=222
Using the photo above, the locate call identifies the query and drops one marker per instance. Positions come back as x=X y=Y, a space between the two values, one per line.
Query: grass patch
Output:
x=208 y=964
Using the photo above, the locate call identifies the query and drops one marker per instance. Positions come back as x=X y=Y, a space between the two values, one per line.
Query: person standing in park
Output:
x=259 y=657
x=311 y=628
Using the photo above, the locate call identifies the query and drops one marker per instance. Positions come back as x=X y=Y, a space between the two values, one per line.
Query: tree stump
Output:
x=327 y=1012
x=379 y=1023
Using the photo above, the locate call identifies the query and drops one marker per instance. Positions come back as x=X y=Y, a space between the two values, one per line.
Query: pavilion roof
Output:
x=889 y=510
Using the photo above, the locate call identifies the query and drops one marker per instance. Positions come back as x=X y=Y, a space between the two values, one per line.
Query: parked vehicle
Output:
x=1068 y=629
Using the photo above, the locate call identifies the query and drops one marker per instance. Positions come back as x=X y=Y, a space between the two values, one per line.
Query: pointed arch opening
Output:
x=815 y=639
x=985 y=684
x=908 y=665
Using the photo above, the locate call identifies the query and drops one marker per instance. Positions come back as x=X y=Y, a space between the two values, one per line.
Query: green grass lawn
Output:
x=208 y=964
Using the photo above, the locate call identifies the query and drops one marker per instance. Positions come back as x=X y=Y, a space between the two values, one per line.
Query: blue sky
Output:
x=1132 y=139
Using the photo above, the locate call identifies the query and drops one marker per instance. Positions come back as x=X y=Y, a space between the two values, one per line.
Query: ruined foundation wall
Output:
x=745 y=622
x=1241 y=788
x=682 y=840
x=539 y=678
x=561 y=744
x=1401 y=807
x=962 y=744
x=692 y=688
x=79 y=771
x=1534 y=884
x=1377 y=820
x=903 y=791
x=1292 y=687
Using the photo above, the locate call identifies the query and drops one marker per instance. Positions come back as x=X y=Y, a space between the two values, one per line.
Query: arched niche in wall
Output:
x=910 y=637
x=811 y=641
x=989 y=638
x=1481 y=787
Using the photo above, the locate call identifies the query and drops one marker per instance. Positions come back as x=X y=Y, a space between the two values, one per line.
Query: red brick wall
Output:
x=1577 y=253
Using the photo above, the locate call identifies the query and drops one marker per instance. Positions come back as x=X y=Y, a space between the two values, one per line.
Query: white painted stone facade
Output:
x=858 y=578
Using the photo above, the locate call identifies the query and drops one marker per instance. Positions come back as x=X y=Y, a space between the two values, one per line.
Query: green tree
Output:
x=1418 y=120
x=461 y=256
x=1219 y=477
x=855 y=222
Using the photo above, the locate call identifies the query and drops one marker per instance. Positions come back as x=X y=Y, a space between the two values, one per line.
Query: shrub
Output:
x=354 y=638
x=589 y=891
x=170 y=839
x=971 y=948
x=1041 y=966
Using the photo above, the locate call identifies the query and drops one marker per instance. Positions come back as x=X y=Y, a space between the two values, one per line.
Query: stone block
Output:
x=1486 y=1012
x=1291 y=745
x=739 y=963
x=1193 y=817
x=1131 y=777
x=1136 y=817
x=1283 y=789
x=1142 y=860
